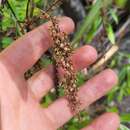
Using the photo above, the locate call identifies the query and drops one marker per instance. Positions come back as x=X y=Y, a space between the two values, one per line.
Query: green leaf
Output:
x=128 y=76
x=89 y=20
x=122 y=92
x=45 y=61
x=111 y=94
x=95 y=26
x=112 y=109
x=7 y=21
x=80 y=78
x=121 y=3
x=111 y=34
x=123 y=127
x=72 y=127
x=114 y=16
x=125 y=118
x=6 y=41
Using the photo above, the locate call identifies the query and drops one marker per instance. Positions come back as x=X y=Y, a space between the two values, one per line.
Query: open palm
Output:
x=19 y=99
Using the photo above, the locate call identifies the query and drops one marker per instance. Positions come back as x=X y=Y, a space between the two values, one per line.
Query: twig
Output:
x=29 y=14
x=32 y=8
x=105 y=58
x=97 y=66
x=27 y=9
x=13 y=13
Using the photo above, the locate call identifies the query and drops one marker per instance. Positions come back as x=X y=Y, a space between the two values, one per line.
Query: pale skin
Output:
x=19 y=99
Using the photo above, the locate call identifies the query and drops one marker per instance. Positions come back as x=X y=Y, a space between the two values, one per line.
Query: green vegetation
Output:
x=15 y=21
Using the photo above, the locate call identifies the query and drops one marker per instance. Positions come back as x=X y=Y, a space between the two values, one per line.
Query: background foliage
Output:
x=107 y=15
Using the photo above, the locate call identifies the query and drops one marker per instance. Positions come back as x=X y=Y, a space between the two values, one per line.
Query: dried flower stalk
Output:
x=61 y=52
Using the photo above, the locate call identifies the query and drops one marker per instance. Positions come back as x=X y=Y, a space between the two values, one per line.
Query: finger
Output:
x=24 y=52
x=94 y=89
x=42 y=81
x=83 y=57
x=108 y=121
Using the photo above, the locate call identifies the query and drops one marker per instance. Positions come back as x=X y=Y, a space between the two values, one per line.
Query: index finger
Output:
x=24 y=52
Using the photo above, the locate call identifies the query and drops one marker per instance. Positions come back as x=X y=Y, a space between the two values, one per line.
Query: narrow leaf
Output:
x=110 y=34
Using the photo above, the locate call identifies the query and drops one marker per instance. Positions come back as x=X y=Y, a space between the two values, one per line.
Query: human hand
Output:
x=19 y=99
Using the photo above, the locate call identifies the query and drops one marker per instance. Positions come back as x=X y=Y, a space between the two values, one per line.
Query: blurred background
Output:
x=105 y=24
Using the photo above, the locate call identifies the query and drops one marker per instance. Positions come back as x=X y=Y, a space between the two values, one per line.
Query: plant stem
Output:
x=105 y=58
x=16 y=19
x=32 y=8
x=27 y=10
